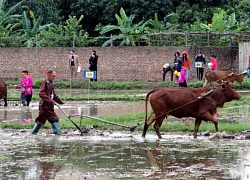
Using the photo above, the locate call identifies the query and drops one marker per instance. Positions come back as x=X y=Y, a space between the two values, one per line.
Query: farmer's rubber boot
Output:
x=35 y=129
x=24 y=103
x=56 y=128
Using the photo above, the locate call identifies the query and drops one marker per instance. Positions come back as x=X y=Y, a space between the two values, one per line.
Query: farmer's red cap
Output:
x=50 y=73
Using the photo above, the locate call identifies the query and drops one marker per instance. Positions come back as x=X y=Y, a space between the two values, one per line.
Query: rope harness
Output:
x=202 y=96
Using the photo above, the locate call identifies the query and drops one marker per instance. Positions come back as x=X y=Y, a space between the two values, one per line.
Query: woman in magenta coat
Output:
x=26 y=85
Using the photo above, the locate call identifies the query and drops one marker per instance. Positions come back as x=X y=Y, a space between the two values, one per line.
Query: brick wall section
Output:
x=115 y=63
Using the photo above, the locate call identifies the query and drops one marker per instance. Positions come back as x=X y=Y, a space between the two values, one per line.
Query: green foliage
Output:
x=9 y=21
x=64 y=35
x=67 y=27
x=126 y=31
x=31 y=28
x=244 y=85
x=37 y=83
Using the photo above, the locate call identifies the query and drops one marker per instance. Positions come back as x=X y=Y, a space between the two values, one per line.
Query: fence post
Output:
x=208 y=38
x=186 y=39
x=36 y=40
x=111 y=37
x=73 y=43
x=148 y=39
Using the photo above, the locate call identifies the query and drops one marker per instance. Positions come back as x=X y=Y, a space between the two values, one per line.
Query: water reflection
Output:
x=94 y=158
x=3 y=115
x=26 y=116
x=95 y=108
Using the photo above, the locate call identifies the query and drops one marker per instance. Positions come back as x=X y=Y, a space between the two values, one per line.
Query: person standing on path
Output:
x=73 y=63
x=93 y=63
x=46 y=105
x=182 y=77
x=186 y=62
x=200 y=59
x=26 y=84
x=214 y=62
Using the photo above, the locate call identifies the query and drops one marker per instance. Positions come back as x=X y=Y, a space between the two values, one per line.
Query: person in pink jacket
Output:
x=214 y=62
x=26 y=85
x=182 y=77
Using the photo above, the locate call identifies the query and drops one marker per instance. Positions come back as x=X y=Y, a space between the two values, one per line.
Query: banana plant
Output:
x=128 y=33
x=221 y=22
x=31 y=27
x=64 y=35
x=9 y=21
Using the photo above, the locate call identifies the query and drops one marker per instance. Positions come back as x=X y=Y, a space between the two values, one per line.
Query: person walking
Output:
x=26 y=84
x=46 y=105
x=73 y=63
x=201 y=61
x=93 y=64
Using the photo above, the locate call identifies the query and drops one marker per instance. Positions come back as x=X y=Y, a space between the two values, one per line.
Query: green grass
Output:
x=122 y=85
x=131 y=120
x=122 y=92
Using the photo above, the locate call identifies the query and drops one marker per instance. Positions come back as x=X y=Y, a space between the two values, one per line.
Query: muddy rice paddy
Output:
x=121 y=155
x=118 y=155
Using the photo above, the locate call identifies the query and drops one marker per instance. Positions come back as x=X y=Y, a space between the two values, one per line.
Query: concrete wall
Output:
x=115 y=63
x=244 y=54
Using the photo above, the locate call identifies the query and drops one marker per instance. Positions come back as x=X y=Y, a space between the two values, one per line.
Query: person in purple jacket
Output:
x=26 y=85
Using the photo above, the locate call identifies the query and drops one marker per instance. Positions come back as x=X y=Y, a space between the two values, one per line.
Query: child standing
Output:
x=182 y=77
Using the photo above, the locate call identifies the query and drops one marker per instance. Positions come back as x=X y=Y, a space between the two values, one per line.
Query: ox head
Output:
x=236 y=77
x=229 y=91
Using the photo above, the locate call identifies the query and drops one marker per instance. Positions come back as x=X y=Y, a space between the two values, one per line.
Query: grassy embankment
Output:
x=128 y=91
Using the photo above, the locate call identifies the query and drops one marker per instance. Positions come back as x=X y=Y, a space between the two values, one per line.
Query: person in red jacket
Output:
x=214 y=62
x=46 y=105
x=186 y=62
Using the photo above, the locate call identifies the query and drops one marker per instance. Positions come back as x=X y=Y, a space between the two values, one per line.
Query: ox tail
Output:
x=146 y=114
x=146 y=104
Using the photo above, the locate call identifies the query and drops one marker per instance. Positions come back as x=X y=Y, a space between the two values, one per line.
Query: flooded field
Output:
x=118 y=155
x=92 y=108
x=121 y=155
x=107 y=108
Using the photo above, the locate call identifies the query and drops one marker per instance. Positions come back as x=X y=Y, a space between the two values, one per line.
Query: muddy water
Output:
x=122 y=156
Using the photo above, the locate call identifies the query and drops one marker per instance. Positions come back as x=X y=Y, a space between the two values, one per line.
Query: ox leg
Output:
x=5 y=102
x=157 y=126
x=209 y=117
x=196 y=128
x=205 y=83
x=148 y=122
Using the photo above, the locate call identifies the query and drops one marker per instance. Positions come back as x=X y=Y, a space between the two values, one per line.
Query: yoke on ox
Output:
x=199 y=103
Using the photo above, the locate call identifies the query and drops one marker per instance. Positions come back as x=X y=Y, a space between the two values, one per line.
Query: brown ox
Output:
x=219 y=76
x=187 y=102
x=3 y=92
